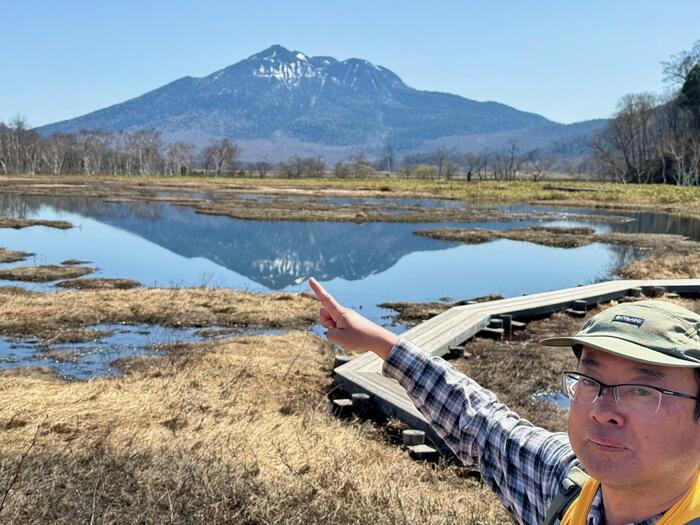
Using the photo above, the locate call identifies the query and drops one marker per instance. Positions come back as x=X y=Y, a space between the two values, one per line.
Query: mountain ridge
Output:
x=280 y=100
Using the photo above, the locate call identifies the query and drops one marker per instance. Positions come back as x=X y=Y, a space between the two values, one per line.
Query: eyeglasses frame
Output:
x=602 y=387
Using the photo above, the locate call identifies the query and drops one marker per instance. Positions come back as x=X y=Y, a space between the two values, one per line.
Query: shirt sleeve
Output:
x=522 y=464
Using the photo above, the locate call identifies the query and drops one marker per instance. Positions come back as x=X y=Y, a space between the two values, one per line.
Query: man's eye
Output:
x=587 y=382
x=641 y=391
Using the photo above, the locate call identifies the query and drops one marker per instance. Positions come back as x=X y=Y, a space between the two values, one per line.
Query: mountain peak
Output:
x=281 y=102
x=278 y=53
x=278 y=62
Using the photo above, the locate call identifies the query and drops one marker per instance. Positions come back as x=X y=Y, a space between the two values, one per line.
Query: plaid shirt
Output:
x=524 y=465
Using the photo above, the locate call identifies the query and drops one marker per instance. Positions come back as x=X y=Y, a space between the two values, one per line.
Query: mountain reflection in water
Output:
x=159 y=243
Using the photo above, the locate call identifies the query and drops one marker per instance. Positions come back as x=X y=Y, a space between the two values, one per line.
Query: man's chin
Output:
x=609 y=466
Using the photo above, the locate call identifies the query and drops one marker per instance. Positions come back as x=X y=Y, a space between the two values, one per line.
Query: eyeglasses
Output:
x=641 y=399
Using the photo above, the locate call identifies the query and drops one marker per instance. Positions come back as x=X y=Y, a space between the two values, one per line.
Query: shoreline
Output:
x=222 y=196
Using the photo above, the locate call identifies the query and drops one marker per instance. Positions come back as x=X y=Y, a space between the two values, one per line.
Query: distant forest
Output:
x=650 y=139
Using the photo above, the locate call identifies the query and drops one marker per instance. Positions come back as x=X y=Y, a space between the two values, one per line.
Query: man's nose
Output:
x=606 y=411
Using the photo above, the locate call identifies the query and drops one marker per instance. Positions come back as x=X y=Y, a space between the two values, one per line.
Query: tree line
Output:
x=142 y=152
x=23 y=150
x=656 y=139
x=509 y=163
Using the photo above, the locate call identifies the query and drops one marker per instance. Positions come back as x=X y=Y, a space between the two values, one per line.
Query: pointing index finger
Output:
x=326 y=299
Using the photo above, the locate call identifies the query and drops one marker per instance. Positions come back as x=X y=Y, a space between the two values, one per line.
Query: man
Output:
x=633 y=422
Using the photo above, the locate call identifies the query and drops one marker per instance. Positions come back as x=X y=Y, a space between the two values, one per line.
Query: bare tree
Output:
x=537 y=167
x=507 y=163
x=388 y=159
x=221 y=156
x=440 y=158
x=92 y=147
x=359 y=165
x=262 y=167
x=451 y=169
x=57 y=151
x=179 y=157
x=4 y=147
x=144 y=150
x=342 y=170
x=22 y=147
x=627 y=147
x=476 y=163
x=677 y=69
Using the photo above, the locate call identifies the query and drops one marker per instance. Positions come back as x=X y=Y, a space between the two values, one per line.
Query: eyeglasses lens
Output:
x=639 y=399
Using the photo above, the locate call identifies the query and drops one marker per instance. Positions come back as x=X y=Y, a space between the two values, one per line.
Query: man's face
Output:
x=623 y=449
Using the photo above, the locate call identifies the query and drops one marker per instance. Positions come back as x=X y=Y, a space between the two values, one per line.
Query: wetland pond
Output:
x=161 y=244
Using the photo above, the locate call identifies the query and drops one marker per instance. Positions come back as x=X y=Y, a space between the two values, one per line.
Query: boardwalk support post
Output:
x=634 y=292
x=507 y=326
x=413 y=437
x=361 y=403
x=423 y=453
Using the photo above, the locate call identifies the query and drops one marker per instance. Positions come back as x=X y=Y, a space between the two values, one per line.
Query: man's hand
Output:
x=349 y=329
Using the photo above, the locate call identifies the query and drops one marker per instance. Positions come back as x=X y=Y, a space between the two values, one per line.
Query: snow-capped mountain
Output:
x=278 y=103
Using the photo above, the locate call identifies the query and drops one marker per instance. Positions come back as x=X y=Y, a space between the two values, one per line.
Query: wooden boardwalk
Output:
x=458 y=324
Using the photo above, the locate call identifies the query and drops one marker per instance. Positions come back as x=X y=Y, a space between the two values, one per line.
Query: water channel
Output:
x=160 y=244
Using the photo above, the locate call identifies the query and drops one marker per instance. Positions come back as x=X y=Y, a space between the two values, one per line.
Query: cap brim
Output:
x=623 y=348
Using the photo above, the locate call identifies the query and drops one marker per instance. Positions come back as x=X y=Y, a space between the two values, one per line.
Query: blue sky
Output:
x=567 y=60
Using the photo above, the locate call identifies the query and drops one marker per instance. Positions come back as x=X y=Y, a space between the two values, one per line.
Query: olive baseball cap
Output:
x=653 y=332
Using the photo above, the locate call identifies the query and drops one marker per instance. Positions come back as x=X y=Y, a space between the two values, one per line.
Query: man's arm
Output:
x=522 y=464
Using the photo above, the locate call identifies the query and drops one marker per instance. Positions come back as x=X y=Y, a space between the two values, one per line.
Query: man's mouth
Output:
x=607 y=445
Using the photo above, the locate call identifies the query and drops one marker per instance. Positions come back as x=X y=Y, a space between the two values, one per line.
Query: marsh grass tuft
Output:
x=663 y=266
x=99 y=284
x=563 y=237
x=18 y=223
x=42 y=274
x=10 y=256
x=45 y=314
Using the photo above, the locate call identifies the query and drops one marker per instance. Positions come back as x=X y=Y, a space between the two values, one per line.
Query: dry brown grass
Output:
x=562 y=237
x=43 y=274
x=17 y=223
x=413 y=313
x=10 y=256
x=223 y=197
x=74 y=262
x=235 y=432
x=44 y=314
x=99 y=284
x=75 y=335
x=663 y=267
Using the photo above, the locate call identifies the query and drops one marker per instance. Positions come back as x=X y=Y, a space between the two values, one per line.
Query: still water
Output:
x=159 y=244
